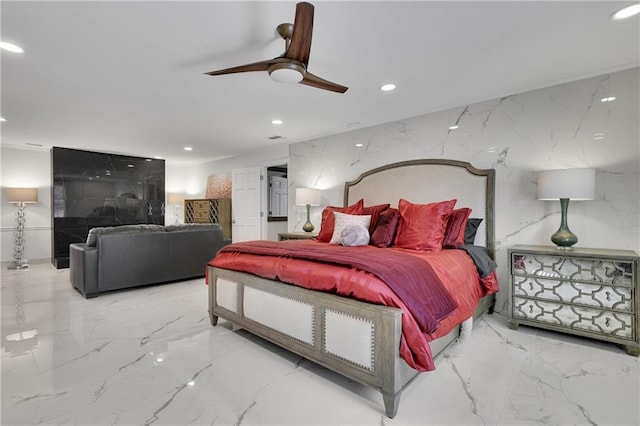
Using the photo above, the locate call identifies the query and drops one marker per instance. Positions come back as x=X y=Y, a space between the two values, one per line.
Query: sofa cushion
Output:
x=192 y=227
x=92 y=237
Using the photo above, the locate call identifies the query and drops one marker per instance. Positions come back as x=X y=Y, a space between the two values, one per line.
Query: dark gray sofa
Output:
x=134 y=255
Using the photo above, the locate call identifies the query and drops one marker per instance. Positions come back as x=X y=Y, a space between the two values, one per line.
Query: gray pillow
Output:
x=354 y=235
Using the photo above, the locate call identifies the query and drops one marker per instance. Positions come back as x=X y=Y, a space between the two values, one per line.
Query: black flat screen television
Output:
x=92 y=189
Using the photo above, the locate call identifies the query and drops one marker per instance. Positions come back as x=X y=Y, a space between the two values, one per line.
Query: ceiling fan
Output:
x=291 y=66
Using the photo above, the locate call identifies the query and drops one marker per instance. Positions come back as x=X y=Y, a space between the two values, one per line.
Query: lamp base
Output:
x=563 y=238
x=21 y=266
x=308 y=227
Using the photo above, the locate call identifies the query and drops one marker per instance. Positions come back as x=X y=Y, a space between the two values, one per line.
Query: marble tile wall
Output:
x=564 y=126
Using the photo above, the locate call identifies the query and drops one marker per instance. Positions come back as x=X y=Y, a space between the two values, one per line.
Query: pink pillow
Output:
x=386 y=228
x=375 y=212
x=328 y=220
x=454 y=233
x=422 y=226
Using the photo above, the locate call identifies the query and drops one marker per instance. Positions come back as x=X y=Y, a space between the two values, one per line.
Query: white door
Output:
x=278 y=203
x=246 y=204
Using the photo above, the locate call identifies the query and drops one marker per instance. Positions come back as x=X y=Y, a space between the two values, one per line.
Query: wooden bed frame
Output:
x=358 y=340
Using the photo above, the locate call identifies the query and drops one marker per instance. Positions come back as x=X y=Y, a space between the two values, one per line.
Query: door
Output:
x=278 y=202
x=246 y=204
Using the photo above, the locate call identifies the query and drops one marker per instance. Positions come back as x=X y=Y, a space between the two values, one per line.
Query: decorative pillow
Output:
x=470 y=230
x=354 y=235
x=422 y=226
x=456 y=225
x=386 y=228
x=328 y=220
x=342 y=220
x=375 y=212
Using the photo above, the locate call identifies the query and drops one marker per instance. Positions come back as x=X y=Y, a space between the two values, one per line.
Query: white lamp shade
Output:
x=573 y=184
x=174 y=198
x=22 y=195
x=306 y=196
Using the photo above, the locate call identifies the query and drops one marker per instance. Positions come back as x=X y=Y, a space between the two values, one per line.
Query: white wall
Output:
x=30 y=168
x=192 y=180
x=519 y=135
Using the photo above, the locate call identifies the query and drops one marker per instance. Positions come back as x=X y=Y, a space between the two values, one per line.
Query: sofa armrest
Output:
x=83 y=269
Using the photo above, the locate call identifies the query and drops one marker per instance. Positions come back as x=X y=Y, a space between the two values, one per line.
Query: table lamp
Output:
x=565 y=185
x=175 y=200
x=307 y=197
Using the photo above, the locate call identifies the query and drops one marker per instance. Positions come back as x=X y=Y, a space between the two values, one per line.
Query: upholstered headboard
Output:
x=427 y=181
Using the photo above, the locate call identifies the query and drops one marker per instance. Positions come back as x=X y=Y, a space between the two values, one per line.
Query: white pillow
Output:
x=343 y=220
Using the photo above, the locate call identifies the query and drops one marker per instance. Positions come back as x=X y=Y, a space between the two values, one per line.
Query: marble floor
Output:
x=150 y=356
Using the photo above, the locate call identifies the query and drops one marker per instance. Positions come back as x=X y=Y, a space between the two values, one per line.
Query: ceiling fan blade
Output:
x=256 y=66
x=300 y=45
x=315 y=81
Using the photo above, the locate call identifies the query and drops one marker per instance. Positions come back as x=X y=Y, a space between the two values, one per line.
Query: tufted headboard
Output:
x=427 y=181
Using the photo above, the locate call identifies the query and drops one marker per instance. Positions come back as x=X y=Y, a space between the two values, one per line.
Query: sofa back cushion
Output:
x=192 y=227
x=92 y=237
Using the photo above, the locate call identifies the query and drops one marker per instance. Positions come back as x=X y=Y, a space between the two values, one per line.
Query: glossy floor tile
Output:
x=149 y=356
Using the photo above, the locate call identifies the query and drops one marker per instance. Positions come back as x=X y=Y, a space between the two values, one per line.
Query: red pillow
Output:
x=328 y=219
x=375 y=212
x=422 y=226
x=385 y=231
x=454 y=233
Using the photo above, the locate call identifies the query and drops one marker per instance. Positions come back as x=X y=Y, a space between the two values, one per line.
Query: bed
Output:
x=365 y=341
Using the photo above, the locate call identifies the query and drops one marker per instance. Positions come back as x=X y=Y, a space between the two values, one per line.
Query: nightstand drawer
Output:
x=574 y=268
x=606 y=323
x=595 y=295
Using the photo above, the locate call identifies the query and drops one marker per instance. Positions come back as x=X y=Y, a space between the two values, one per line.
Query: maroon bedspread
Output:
x=411 y=278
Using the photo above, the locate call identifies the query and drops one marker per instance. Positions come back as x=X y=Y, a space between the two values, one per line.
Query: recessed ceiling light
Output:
x=3 y=119
x=626 y=12
x=129 y=165
x=608 y=99
x=276 y=122
x=9 y=47
x=188 y=148
x=453 y=127
x=359 y=145
x=387 y=87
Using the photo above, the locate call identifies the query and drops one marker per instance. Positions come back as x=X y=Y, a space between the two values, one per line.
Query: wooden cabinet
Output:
x=209 y=210
x=587 y=292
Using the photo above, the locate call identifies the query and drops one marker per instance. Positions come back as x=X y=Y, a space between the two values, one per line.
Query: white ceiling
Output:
x=127 y=77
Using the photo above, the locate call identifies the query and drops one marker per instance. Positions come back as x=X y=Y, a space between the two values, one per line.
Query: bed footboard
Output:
x=358 y=340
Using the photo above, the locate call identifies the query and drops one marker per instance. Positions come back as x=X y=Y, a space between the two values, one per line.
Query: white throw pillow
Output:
x=343 y=220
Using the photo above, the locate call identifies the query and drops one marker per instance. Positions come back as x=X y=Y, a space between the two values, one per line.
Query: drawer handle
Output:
x=530 y=309
x=608 y=296
x=531 y=286
x=606 y=322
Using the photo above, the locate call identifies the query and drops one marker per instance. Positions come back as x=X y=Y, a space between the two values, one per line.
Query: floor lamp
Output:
x=21 y=197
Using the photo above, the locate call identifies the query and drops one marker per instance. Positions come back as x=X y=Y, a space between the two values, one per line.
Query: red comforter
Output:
x=455 y=269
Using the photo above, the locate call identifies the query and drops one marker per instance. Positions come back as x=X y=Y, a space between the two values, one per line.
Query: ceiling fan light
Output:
x=286 y=73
